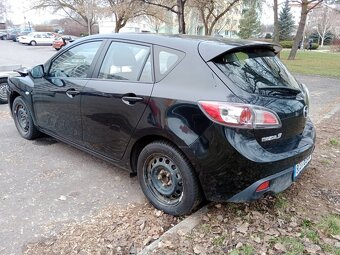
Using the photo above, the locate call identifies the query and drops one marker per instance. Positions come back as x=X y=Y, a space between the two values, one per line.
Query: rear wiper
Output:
x=280 y=89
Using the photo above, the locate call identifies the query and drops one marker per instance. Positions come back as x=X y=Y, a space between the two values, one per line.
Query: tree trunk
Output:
x=276 y=37
x=118 y=26
x=276 y=23
x=301 y=28
x=180 y=16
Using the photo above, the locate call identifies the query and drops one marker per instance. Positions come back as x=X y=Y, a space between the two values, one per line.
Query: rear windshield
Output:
x=254 y=69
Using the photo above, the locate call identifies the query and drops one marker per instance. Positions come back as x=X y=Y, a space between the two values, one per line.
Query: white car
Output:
x=36 y=38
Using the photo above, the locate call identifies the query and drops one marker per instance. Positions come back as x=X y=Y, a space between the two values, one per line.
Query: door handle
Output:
x=132 y=99
x=71 y=93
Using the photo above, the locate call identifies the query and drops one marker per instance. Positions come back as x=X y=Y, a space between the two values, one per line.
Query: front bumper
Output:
x=231 y=164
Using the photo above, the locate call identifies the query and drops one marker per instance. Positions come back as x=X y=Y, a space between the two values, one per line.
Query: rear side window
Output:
x=254 y=69
x=165 y=60
x=126 y=61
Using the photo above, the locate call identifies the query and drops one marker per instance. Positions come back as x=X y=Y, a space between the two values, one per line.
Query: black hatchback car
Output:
x=193 y=117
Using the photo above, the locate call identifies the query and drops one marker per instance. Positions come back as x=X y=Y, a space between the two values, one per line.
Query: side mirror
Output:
x=37 y=71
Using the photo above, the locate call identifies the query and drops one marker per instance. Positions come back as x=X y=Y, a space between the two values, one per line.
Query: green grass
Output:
x=331 y=249
x=293 y=245
x=281 y=202
x=331 y=225
x=334 y=142
x=218 y=241
x=244 y=250
x=309 y=231
x=313 y=63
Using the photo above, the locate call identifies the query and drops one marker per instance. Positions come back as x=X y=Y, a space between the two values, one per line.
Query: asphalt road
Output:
x=45 y=184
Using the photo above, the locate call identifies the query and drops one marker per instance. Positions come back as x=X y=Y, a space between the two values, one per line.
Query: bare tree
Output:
x=83 y=12
x=323 y=21
x=156 y=17
x=125 y=10
x=306 y=7
x=212 y=11
x=3 y=10
x=175 y=6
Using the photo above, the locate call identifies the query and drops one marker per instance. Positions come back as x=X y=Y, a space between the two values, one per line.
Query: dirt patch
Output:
x=112 y=231
x=302 y=220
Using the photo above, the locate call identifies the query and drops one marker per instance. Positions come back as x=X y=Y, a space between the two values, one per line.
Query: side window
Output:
x=75 y=62
x=165 y=60
x=125 y=61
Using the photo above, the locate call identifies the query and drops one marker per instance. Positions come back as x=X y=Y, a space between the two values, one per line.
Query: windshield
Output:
x=254 y=70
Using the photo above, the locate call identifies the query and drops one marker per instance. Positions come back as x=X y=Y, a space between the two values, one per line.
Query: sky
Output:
x=19 y=9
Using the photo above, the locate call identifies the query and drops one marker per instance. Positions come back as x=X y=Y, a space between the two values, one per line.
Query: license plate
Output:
x=300 y=166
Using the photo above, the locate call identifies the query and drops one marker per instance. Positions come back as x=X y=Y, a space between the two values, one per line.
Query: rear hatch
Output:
x=256 y=75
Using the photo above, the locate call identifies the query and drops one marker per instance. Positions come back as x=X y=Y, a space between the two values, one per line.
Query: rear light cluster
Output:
x=240 y=115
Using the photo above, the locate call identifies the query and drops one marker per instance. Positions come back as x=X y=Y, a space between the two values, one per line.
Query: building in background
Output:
x=226 y=27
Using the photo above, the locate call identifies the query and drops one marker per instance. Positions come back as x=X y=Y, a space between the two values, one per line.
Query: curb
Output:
x=185 y=226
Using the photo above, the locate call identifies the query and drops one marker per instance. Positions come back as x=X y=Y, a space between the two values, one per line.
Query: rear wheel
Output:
x=3 y=90
x=167 y=179
x=33 y=43
x=23 y=119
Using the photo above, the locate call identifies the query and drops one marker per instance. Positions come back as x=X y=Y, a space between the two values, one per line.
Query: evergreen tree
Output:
x=286 y=23
x=250 y=21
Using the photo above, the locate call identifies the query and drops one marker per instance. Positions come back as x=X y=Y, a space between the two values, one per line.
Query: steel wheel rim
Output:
x=3 y=91
x=162 y=177
x=22 y=118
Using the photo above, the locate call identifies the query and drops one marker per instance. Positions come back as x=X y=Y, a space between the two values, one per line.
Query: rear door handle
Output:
x=130 y=99
x=71 y=93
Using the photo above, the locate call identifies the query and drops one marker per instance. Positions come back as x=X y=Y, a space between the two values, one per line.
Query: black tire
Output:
x=23 y=119
x=33 y=43
x=167 y=179
x=3 y=91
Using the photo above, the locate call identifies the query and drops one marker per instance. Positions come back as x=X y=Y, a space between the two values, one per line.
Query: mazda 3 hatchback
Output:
x=194 y=117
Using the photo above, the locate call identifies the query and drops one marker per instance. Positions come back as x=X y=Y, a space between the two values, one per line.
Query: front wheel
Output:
x=33 y=43
x=23 y=119
x=168 y=179
x=3 y=90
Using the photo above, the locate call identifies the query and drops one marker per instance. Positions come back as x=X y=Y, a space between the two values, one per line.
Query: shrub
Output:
x=286 y=44
x=289 y=45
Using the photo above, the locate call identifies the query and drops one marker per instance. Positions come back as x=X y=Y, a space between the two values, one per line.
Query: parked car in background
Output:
x=14 y=33
x=61 y=41
x=3 y=34
x=193 y=117
x=22 y=34
x=38 y=38
x=5 y=72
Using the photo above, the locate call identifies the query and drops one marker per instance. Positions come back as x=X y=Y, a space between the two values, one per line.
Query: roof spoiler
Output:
x=209 y=50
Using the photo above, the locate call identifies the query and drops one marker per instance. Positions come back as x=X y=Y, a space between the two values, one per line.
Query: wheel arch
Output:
x=12 y=97
x=143 y=141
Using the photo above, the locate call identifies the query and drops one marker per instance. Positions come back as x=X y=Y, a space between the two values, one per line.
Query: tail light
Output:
x=240 y=115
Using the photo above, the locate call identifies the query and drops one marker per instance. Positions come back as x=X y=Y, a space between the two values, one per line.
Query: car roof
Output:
x=208 y=46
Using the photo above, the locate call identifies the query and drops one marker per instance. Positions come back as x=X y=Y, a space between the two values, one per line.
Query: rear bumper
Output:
x=277 y=183
x=231 y=164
